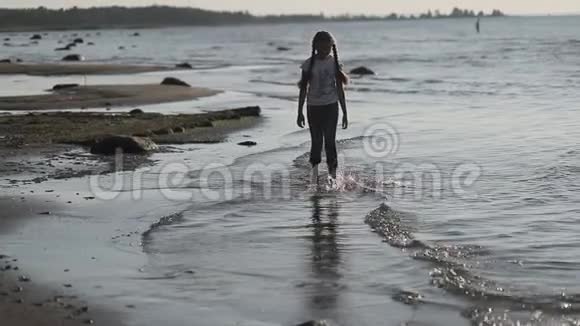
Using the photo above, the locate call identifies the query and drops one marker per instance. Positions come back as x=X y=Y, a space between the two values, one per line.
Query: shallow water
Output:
x=459 y=182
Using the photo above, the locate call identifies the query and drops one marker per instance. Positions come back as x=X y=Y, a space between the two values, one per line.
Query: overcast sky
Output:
x=332 y=7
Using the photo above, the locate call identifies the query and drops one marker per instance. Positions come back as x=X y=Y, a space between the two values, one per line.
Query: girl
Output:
x=322 y=86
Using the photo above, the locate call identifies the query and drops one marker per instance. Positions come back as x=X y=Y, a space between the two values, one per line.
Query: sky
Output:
x=329 y=7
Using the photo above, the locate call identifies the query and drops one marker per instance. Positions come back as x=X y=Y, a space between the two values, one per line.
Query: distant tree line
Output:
x=160 y=16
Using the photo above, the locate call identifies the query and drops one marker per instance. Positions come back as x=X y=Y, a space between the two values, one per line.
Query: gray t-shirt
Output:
x=322 y=88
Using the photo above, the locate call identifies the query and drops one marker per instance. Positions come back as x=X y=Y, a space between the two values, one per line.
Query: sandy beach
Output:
x=81 y=68
x=84 y=97
x=37 y=148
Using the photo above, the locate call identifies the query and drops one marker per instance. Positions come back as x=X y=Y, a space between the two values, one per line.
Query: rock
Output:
x=5 y=61
x=90 y=43
x=58 y=87
x=121 y=48
x=179 y=130
x=36 y=37
x=283 y=48
x=314 y=323
x=67 y=285
x=44 y=213
x=408 y=297
x=66 y=48
x=174 y=81
x=73 y=57
x=184 y=65
x=136 y=34
x=136 y=111
x=248 y=143
x=6 y=39
x=362 y=71
x=78 y=40
x=23 y=278
x=127 y=144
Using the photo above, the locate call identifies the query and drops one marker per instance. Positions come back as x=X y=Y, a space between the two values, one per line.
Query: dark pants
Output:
x=322 y=121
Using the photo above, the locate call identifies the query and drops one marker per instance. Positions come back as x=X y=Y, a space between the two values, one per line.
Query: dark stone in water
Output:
x=135 y=145
x=174 y=81
x=90 y=43
x=58 y=87
x=78 y=40
x=283 y=48
x=10 y=60
x=314 y=323
x=136 y=111
x=362 y=71
x=36 y=37
x=248 y=143
x=73 y=57
x=184 y=65
x=136 y=34
x=408 y=297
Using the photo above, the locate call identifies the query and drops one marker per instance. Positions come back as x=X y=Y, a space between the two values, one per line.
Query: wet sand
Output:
x=99 y=96
x=55 y=69
x=23 y=302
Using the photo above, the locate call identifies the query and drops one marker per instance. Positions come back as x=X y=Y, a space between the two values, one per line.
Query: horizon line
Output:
x=443 y=12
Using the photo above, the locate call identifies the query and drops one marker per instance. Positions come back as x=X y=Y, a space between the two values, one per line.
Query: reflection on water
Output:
x=325 y=258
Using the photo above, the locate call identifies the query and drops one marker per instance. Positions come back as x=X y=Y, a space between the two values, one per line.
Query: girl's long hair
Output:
x=340 y=75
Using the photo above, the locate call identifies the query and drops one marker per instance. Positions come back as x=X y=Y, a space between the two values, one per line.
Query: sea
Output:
x=457 y=200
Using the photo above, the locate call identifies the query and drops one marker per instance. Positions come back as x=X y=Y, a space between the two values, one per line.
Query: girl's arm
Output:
x=301 y=101
x=342 y=101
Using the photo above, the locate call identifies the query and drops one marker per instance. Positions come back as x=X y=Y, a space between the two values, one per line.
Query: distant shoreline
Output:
x=32 y=29
x=42 y=19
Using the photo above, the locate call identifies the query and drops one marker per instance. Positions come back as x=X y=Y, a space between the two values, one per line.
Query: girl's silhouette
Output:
x=322 y=87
